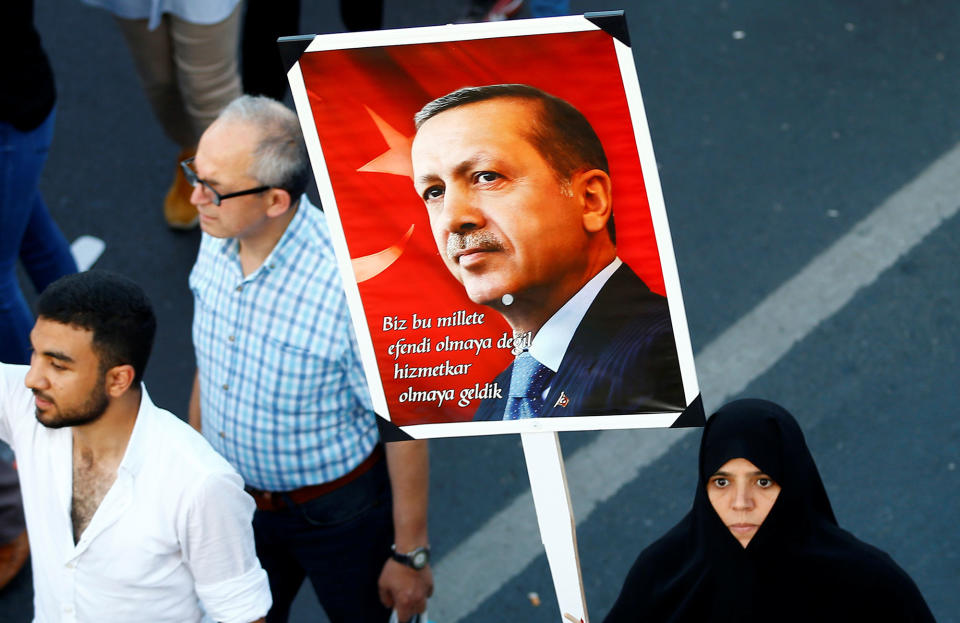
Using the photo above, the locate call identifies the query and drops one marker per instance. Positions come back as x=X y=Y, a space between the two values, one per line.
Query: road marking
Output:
x=509 y=540
x=86 y=251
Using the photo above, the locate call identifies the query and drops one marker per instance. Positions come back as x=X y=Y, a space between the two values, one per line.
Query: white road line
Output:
x=86 y=251
x=509 y=540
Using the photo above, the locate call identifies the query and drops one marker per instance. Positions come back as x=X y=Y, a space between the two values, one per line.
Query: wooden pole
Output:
x=558 y=531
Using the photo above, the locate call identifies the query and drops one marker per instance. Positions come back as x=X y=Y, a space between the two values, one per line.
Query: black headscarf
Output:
x=799 y=565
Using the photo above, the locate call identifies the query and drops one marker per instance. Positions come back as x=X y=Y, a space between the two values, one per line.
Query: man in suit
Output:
x=518 y=191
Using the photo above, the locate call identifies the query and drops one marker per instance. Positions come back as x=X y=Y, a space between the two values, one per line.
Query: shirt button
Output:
x=225 y=387
x=239 y=288
x=231 y=338
x=223 y=435
x=67 y=609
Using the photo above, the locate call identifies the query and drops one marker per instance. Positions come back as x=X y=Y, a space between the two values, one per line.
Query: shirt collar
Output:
x=139 y=438
x=550 y=344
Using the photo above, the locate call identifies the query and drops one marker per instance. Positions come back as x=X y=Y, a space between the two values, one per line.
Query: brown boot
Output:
x=177 y=209
x=13 y=556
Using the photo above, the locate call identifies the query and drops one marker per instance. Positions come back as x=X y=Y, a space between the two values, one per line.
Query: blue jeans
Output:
x=340 y=540
x=27 y=232
x=549 y=8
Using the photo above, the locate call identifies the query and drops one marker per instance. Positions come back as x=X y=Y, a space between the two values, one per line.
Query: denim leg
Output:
x=45 y=252
x=22 y=155
x=549 y=8
x=340 y=541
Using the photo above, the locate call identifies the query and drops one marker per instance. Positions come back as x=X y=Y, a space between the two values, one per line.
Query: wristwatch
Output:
x=416 y=559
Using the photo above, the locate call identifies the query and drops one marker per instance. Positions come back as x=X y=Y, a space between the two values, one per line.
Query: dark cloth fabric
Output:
x=266 y=20
x=621 y=359
x=340 y=541
x=11 y=506
x=799 y=566
x=28 y=93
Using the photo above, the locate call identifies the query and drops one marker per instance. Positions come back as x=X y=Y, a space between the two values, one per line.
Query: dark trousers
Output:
x=11 y=509
x=265 y=20
x=26 y=231
x=340 y=541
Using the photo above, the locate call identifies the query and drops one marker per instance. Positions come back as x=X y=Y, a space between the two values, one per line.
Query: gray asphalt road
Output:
x=777 y=127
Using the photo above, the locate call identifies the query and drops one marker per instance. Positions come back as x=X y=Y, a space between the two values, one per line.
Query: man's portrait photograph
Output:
x=512 y=269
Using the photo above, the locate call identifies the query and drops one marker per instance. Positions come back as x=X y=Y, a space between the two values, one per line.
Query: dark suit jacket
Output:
x=621 y=359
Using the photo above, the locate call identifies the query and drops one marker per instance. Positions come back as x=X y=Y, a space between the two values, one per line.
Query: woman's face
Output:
x=742 y=495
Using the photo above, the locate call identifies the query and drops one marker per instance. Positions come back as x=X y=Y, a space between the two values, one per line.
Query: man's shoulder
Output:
x=16 y=400
x=180 y=450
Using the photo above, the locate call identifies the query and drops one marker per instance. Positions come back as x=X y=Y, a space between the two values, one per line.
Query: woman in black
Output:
x=761 y=542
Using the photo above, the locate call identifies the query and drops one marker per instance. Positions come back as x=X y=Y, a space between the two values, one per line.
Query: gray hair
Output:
x=280 y=157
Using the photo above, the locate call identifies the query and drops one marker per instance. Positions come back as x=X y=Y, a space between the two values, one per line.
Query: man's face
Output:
x=224 y=156
x=501 y=219
x=68 y=385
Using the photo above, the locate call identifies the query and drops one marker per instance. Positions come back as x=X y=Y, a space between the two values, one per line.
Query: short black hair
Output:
x=561 y=134
x=115 y=309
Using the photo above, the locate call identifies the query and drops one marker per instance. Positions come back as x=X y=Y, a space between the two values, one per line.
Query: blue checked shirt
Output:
x=282 y=391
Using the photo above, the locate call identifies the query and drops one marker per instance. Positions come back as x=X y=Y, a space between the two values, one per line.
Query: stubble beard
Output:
x=90 y=411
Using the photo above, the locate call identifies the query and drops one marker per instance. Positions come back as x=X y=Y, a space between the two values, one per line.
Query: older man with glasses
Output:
x=280 y=392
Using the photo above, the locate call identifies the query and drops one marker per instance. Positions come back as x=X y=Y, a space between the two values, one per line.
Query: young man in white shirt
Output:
x=131 y=515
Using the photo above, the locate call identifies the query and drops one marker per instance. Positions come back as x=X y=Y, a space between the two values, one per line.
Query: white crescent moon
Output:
x=369 y=266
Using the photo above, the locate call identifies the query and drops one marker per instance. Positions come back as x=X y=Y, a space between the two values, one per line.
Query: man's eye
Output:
x=485 y=177
x=56 y=366
x=434 y=192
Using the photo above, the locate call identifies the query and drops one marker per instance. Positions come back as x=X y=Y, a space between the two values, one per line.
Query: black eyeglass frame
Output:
x=193 y=180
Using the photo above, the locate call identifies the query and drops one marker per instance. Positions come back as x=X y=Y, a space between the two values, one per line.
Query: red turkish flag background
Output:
x=363 y=101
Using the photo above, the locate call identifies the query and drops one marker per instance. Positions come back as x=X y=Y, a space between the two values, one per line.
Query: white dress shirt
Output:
x=550 y=343
x=171 y=538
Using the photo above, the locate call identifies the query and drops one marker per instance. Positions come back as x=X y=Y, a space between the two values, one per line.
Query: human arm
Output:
x=402 y=587
x=14 y=398
x=216 y=536
x=193 y=410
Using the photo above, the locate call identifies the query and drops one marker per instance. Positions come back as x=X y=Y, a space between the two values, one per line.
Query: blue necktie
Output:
x=528 y=379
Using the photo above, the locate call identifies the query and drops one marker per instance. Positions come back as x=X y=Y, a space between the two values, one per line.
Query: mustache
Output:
x=41 y=395
x=482 y=240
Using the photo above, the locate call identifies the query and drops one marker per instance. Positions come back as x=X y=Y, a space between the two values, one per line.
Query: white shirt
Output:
x=172 y=532
x=203 y=12
x=550 y=343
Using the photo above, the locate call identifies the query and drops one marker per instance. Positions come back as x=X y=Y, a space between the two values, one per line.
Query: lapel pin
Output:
x=562 y=401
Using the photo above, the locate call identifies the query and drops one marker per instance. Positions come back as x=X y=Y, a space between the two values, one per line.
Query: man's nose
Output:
x=34 y=379
x=198 y=196
x=461 y=211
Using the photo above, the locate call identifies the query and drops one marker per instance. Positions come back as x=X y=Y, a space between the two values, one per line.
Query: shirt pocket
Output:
x=298 y=382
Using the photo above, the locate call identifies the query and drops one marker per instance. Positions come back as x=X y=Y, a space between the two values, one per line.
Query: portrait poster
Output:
x=434 y=355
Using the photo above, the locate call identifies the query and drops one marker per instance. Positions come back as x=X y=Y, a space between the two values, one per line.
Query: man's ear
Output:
x=594 y=190
x=119 y=379
x=278 y=202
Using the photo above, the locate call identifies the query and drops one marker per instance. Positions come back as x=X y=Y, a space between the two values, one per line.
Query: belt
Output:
x=279 y=500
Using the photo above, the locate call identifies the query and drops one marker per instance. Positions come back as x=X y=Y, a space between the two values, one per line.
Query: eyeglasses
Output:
x=215 y=197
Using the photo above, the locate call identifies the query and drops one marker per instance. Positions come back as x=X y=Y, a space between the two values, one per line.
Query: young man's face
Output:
x=68 y=385
x=502 y=221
